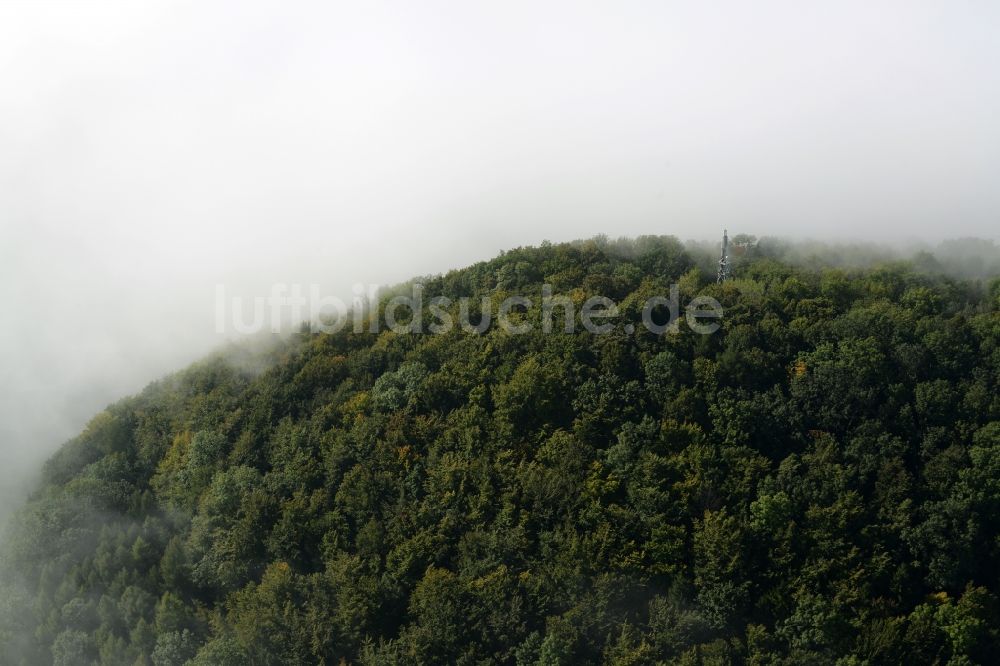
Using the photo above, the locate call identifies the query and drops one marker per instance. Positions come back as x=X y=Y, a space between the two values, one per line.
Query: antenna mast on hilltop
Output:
x=724 y=259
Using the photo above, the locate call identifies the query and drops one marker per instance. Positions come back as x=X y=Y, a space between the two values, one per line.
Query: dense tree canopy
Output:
x=818 y=482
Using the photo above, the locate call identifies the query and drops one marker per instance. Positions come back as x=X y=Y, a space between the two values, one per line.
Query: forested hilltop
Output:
x=818 y=482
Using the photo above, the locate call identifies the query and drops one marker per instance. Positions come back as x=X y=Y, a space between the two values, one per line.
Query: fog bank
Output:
x=150 y=151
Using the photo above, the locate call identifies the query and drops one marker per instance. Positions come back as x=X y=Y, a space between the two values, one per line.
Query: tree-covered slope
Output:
x=817 y=482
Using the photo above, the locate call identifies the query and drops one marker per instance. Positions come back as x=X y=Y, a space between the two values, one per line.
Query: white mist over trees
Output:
x=150 y=151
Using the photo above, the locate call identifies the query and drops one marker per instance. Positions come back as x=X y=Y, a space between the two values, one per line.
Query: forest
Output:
x=818 y=482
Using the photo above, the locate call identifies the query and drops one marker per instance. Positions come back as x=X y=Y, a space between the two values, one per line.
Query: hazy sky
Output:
x=150 y=150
